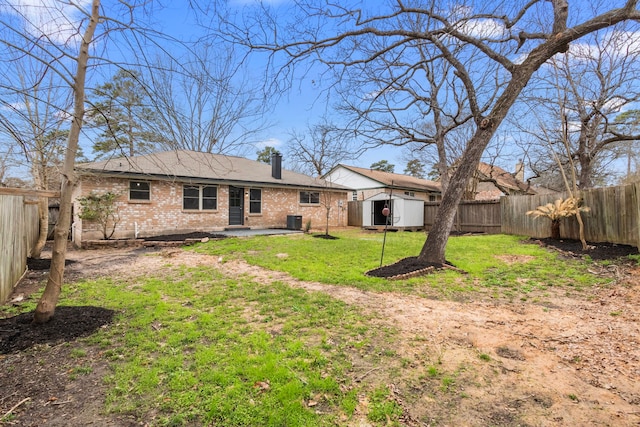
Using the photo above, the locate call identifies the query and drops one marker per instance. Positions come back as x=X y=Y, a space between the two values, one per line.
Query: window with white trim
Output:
x=310 y=197
x=199 y=197
x=354 y=196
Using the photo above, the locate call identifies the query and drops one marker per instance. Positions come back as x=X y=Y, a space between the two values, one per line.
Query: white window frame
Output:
x=309 y=200
x=201 y=198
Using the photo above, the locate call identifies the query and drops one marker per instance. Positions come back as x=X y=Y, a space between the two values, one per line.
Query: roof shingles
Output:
x=396 y=180
x=193 y=165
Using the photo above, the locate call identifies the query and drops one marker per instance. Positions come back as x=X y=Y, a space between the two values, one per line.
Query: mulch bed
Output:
x=596 y=251
x=325 y=236
x=40 y=264
x=406 y=268
x=68 y=323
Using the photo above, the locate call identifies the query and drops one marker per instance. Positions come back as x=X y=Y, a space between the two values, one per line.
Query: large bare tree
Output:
x=577 y=105
x=494 y=49
x=34 y=118
x=62 y=36
x=207 y=101
x=318 y=148
x=49 y=299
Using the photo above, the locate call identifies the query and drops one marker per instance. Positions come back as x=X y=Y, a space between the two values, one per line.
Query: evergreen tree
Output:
x=415 y=168
x=264 y=155
x=382 y=165
x=121 y=109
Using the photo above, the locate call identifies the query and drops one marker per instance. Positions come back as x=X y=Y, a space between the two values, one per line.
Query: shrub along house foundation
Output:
x=182 y=191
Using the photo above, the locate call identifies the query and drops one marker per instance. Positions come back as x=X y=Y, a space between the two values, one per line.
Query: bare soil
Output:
x=573 y=360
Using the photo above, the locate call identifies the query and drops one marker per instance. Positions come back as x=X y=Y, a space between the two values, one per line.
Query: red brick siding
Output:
x=163 y=214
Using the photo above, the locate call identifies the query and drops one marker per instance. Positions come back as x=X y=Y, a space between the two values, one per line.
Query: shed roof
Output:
x=394 y=196
x=395 y=180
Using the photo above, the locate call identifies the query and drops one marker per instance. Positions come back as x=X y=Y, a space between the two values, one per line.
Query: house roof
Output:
x=502 y=178
x=197 y=166
x=389 y=179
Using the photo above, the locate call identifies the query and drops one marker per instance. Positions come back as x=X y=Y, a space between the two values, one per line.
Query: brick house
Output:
x=185 y=191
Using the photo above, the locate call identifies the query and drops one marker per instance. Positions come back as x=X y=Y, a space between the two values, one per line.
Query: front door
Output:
x=236 y=205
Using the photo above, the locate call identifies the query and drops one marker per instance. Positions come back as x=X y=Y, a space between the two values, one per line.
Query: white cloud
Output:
x=57 y=20
x=482 y=28
x=614 y=105
x=615 y=43
x=13 y=106
x=271 y=142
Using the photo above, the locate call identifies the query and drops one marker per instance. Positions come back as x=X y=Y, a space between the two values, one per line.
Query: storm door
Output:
x=236 y=205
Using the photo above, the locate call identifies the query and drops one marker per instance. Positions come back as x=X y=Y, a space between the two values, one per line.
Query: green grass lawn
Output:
x=190 y=346
x=195 y=348
x=497 y=264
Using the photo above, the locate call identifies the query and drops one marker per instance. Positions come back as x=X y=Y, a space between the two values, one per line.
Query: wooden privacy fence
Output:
x=472 y=216
x=19 y=229
x=354 y=212
x=613 y=215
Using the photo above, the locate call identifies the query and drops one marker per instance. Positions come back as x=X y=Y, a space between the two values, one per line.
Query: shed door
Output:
x=236 y=205
x=376 y=212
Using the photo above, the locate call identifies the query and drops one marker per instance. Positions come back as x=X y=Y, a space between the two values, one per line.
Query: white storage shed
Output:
x=406 y=212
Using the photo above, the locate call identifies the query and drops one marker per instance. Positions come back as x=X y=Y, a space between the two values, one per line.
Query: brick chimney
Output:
x=276 y=165
x=519 y=174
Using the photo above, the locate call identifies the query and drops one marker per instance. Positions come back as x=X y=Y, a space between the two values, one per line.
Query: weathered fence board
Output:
x=18 y=233
x=354 y=212
x=472 y=216
x=613 y=215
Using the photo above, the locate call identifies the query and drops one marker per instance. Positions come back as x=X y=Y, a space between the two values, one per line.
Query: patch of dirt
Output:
x=572 y=360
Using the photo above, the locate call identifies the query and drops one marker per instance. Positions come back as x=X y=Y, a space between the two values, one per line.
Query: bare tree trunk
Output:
x=39 y=176
x=47 y=304
x=434 y=247
x=326 y=232
x=43 y=217
x=555 y=229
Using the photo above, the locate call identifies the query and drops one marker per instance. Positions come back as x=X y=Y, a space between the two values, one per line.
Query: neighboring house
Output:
x=367 y=183
x=494 y=182
x=184 y=191
x=491 y=182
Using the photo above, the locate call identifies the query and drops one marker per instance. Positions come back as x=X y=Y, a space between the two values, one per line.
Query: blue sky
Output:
x=302 y=105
